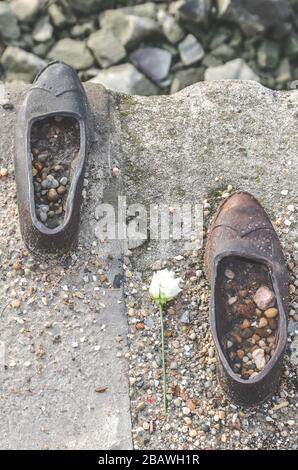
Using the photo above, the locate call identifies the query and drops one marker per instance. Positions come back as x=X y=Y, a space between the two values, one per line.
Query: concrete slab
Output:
x=63 y=333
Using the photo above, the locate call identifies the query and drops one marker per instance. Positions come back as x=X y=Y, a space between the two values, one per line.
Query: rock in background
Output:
x=155 y=47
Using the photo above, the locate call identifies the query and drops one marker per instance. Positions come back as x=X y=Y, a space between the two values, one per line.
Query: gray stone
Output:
x=20 y=65
x=170 y=27
x=294 y=353
x=41 y=49
x=184 y=78
x=107 y=49
x=255 y=16
x=211 y=61
x=184 y=317
x=292 y=326
x=57 y=16
x=43 y=30
x=88 y=6
x=43 y=216
x=74 y=53
x=249 y=54
x=149 y=322
x=268 y=55
x=130 y=29
x=9 y=28
x=28 y=41
x=219 y=38
x=283 y=73
x=153 y=62
x=292 y=46
x=191 y=51
x=237 y=38
x=148 y=10
x=127 y=79
x=224 y=52
x=25 y=10
x=82 y=30
x=195 y=11
x=234 y=69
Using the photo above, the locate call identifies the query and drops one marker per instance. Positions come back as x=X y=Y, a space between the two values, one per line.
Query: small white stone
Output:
x=264 y=298
x=211 y=352
x=258 y=356
x=27 y=364
x=284 y=192
x=254 y=374
x=115 y=171
x=229 y=274
x=185 y=410
x=75 y=345
x=3 y=172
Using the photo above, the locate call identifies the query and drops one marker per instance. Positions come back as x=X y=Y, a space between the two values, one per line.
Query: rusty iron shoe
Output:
x=56 y=92
x=242 y=229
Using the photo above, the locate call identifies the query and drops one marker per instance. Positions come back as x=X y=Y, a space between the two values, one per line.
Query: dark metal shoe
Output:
x=242 y=230
x=56 y=93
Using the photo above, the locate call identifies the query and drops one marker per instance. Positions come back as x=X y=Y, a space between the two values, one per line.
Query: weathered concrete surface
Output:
x=190 y=146
x=169 y=149
x=47 y=392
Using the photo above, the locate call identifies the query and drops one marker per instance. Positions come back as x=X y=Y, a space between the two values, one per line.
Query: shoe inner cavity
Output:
x=55 y=146
x=247 y=317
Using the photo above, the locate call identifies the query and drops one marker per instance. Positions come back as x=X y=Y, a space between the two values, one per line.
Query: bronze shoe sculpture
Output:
x=51 y=150
x=248 y=276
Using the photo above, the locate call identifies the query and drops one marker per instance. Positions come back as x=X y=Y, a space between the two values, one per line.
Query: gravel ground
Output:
x=200 y=415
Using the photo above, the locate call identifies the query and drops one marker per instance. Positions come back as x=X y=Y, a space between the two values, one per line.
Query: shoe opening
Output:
x=55 y=149
x=247 y=315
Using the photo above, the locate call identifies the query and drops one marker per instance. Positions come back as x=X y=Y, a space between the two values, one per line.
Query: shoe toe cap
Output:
x=242 y=211
x=58 y=78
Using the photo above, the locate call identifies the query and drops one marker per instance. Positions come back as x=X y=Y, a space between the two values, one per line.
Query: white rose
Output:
x=164 y=286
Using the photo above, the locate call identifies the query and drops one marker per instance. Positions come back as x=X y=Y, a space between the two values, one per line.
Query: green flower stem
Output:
x=164 y=377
